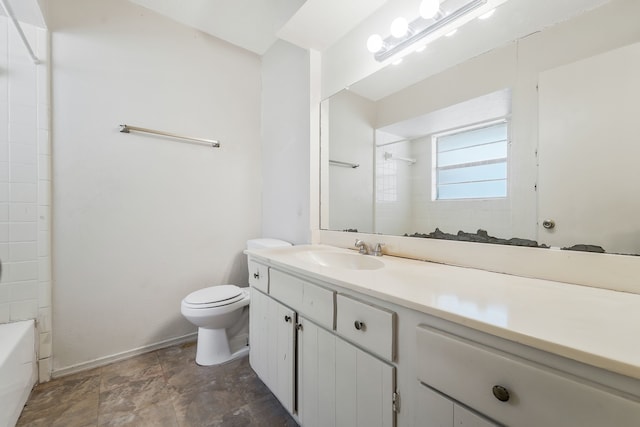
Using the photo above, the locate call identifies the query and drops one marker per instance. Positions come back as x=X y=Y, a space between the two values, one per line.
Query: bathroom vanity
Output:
x=352 y=340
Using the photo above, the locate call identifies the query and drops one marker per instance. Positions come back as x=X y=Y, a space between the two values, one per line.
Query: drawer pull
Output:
x=501 y=393
x=360 y=326
x=287 y=319
x=256 y=275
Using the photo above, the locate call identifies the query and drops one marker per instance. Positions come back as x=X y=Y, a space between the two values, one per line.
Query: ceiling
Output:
x=27 y=11
x=256 y=24
x=316 y=24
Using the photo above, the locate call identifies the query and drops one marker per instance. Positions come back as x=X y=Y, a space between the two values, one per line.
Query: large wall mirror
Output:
x=535 y=142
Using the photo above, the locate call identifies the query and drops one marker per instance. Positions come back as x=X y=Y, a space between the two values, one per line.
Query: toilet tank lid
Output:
x=266 y=243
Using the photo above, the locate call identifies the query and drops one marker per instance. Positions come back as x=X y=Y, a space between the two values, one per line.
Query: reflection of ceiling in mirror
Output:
x=490 y=106
x=514 y=20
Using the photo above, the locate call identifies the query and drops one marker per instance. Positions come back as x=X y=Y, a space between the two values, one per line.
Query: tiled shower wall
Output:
x=25 y=185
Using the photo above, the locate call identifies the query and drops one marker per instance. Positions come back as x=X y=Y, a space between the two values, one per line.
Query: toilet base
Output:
x=213 y=348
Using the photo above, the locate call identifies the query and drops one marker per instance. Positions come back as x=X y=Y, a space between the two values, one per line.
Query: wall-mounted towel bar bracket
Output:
x=344 y=164
x=210 y=142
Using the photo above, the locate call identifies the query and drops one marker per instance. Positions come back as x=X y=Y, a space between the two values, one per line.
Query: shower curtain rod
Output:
x=390 y=156
x=212 y=142
x=16 y=24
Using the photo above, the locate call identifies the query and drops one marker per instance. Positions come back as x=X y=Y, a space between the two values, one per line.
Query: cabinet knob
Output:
x=501 y=393
x=299 y=326
x=256 y=275
x=287 y=318
x=359 y=325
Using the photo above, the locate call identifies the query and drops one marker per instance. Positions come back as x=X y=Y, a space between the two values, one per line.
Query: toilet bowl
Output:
x=221 y=314
x=214 y=310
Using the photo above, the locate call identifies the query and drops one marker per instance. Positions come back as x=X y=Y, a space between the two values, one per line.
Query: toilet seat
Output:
x=214 y=296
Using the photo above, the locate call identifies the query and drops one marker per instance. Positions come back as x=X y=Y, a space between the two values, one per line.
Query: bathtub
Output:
x=18 y=372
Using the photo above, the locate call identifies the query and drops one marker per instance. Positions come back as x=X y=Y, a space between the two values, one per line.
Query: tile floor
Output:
x=162 y=388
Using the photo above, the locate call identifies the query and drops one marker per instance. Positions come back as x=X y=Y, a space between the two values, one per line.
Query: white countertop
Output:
x=595 y=326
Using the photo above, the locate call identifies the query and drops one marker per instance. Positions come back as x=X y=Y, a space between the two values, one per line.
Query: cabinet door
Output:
x=258 y=311
x=316 y=375
x=271 y=334
x=364 y=388
x=281 y=322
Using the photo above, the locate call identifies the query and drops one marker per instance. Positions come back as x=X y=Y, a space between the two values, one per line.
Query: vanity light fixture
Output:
x=375 y=43
x=429 y=8
x=399 y=27
x=433 y=21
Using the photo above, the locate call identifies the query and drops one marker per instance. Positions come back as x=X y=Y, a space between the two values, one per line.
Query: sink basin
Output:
x=342 y=260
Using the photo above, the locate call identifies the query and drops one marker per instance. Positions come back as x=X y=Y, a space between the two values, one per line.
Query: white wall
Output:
x=285 y=143
x=25 y=184
x=141 y=221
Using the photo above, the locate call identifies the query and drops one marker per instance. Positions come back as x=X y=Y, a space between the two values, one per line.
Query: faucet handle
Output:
x=362 y=246
x=377 y=251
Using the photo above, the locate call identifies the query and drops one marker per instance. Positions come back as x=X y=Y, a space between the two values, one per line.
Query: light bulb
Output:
x=399 y=27
x=374 y=43
x=429 y=8
x=487 y=15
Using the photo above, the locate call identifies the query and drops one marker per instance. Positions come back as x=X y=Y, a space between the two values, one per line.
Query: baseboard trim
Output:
x=57 y=373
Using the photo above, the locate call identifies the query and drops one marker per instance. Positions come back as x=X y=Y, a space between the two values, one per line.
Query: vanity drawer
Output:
x=318 y=304
x=370 y=327
x=314 y=302
x=259 y=276
x=286 y=289
x=531 y=396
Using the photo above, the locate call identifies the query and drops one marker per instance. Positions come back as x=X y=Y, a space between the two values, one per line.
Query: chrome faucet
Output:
x=377 y=251
x=364 y=248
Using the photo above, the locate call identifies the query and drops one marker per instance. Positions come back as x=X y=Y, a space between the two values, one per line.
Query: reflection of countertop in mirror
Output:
x=594 y=326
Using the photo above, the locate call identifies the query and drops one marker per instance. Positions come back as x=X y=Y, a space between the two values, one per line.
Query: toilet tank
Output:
x=266 y=243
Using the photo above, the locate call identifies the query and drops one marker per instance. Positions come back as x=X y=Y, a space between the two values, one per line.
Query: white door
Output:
x=316 y=375
x=364 y=388
x=588 y=152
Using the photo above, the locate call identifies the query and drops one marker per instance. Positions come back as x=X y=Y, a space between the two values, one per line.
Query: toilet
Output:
x=221 y=314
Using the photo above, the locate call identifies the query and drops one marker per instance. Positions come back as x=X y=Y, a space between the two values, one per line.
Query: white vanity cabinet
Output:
x=348 y=355
x=292 y=333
